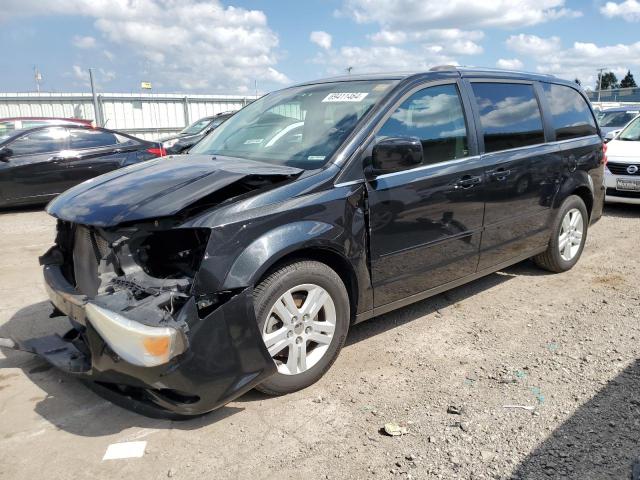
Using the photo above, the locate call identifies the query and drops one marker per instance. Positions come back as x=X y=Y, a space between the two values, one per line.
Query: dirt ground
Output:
x=445 y=368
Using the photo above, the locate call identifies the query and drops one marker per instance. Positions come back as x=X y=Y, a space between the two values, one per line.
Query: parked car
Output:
x=612 y=120
x=192 y=134
x=244 y=263
x=622 y=175
x=8 y=125
x=39 y=163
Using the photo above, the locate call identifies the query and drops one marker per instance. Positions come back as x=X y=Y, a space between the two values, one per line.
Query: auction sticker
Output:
x=345 y=97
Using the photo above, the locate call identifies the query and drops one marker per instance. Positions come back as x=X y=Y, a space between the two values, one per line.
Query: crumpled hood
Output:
x=156 y=188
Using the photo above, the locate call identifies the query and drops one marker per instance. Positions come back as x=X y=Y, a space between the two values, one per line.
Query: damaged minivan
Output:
x=243 y=264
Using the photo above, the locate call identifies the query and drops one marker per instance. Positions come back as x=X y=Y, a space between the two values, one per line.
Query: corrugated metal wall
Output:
x=145 y=115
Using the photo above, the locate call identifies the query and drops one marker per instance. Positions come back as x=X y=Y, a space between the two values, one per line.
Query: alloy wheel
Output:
x=571 y=233
x=299 y=328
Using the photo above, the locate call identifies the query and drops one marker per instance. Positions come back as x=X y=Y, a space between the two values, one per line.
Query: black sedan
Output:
x=39 y=163
x=192 y=134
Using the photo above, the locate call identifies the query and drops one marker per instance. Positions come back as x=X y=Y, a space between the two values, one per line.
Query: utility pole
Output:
x=96 y=114
x=600 y=71
x=38 y=77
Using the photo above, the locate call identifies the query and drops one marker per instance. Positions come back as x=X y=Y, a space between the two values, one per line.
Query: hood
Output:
x=623 y=149
x=180 y=136
x=163 y=187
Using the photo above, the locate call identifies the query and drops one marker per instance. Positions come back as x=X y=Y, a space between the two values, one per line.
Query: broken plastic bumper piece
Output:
x=156 y=370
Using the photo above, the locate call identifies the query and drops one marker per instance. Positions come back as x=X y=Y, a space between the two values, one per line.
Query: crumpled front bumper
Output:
x=225 y=358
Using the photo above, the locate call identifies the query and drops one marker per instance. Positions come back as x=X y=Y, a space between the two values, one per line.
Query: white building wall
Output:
x=148 y=116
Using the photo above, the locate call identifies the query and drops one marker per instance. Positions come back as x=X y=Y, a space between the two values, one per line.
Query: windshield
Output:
x=298 y=127
x=616 y=119
x=632 y=132
x=196 y=127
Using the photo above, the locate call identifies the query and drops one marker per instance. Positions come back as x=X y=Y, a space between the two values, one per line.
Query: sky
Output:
x=244 y=46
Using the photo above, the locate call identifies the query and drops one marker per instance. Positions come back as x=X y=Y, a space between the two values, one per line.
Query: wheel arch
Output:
x=309 y=240
x=579 y=184
x=329 y=257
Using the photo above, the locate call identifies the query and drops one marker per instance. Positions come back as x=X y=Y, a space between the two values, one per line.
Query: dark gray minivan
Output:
x=191 y=280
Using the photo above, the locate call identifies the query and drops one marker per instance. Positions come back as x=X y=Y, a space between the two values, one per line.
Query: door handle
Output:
x=501 y=174
x=467 y=182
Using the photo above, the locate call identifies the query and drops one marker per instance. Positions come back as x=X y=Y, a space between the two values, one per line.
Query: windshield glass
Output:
x=196 y=127
x=632 y=132
x=616 y=119
x=298 y=127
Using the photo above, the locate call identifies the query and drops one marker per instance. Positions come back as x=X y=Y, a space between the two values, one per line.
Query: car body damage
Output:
x=157 y=280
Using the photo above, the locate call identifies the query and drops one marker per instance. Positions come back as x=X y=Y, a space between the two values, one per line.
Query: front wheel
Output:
x=303 y=314
x=568 y=236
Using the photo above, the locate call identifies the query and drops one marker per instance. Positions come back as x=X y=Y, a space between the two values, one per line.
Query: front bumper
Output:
x=225 y=358
x=619 y=196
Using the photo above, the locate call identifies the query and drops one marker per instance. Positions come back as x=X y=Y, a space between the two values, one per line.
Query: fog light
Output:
x=134 y=342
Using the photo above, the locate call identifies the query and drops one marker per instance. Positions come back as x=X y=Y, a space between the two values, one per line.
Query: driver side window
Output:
x=435 y=116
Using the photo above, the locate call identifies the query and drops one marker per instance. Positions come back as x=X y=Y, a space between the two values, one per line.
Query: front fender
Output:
x=275 y=244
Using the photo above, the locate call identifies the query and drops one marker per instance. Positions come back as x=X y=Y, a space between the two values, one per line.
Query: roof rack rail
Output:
x=440 y=68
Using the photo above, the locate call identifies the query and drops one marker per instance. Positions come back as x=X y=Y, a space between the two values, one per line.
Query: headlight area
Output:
x=134 y=342
x=137 y=282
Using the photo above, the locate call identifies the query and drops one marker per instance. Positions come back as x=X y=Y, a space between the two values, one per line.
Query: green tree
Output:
x=609 y=80
x=628 y=81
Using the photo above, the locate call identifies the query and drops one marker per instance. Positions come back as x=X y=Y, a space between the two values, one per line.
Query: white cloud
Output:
x=110 y=56
x=322 y=39
x=533 y=45
x=413 y=14
x=100 y=76
x=452 y=40
x=189 y=44
x=381 y=58
x=578 y=61
x=84 y=42
x=510 y=64
x=628 y=10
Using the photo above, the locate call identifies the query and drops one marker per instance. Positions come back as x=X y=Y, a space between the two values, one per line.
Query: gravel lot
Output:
x=567 y=345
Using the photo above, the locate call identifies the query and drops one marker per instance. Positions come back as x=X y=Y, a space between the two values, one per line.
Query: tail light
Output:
x=158 y=152
x=605 y=159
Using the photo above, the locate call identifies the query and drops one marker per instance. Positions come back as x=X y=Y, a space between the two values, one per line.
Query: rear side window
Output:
x=509 y=115
x=572 y=117
x=435 y=116
x=47 y=140
x=80 y=139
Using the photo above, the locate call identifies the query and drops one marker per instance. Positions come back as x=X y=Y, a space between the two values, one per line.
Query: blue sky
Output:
x=212 y=46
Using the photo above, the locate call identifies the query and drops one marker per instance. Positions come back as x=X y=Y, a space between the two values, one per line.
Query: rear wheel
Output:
x=303 y=314
x=569 y=234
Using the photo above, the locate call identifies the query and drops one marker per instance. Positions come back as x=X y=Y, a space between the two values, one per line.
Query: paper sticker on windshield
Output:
x=345 y=97
x=252 y=141
x=315 y=157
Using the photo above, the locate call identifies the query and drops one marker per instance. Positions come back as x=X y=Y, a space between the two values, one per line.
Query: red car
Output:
x=8 y=125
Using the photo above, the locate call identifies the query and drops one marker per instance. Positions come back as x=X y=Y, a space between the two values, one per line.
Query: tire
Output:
x=555 y=260
x=301 y=361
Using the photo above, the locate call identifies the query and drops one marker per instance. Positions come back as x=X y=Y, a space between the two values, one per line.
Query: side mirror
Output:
x=5 y=154
x=395 y=155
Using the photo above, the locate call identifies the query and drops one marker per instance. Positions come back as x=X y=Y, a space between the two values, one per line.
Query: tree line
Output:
x=608 y=81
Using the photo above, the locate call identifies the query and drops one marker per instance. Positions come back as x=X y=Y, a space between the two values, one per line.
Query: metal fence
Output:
x=617 y=95
x=147 y=116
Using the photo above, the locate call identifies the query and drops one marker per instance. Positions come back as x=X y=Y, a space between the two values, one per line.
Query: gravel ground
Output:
x=564 y=346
